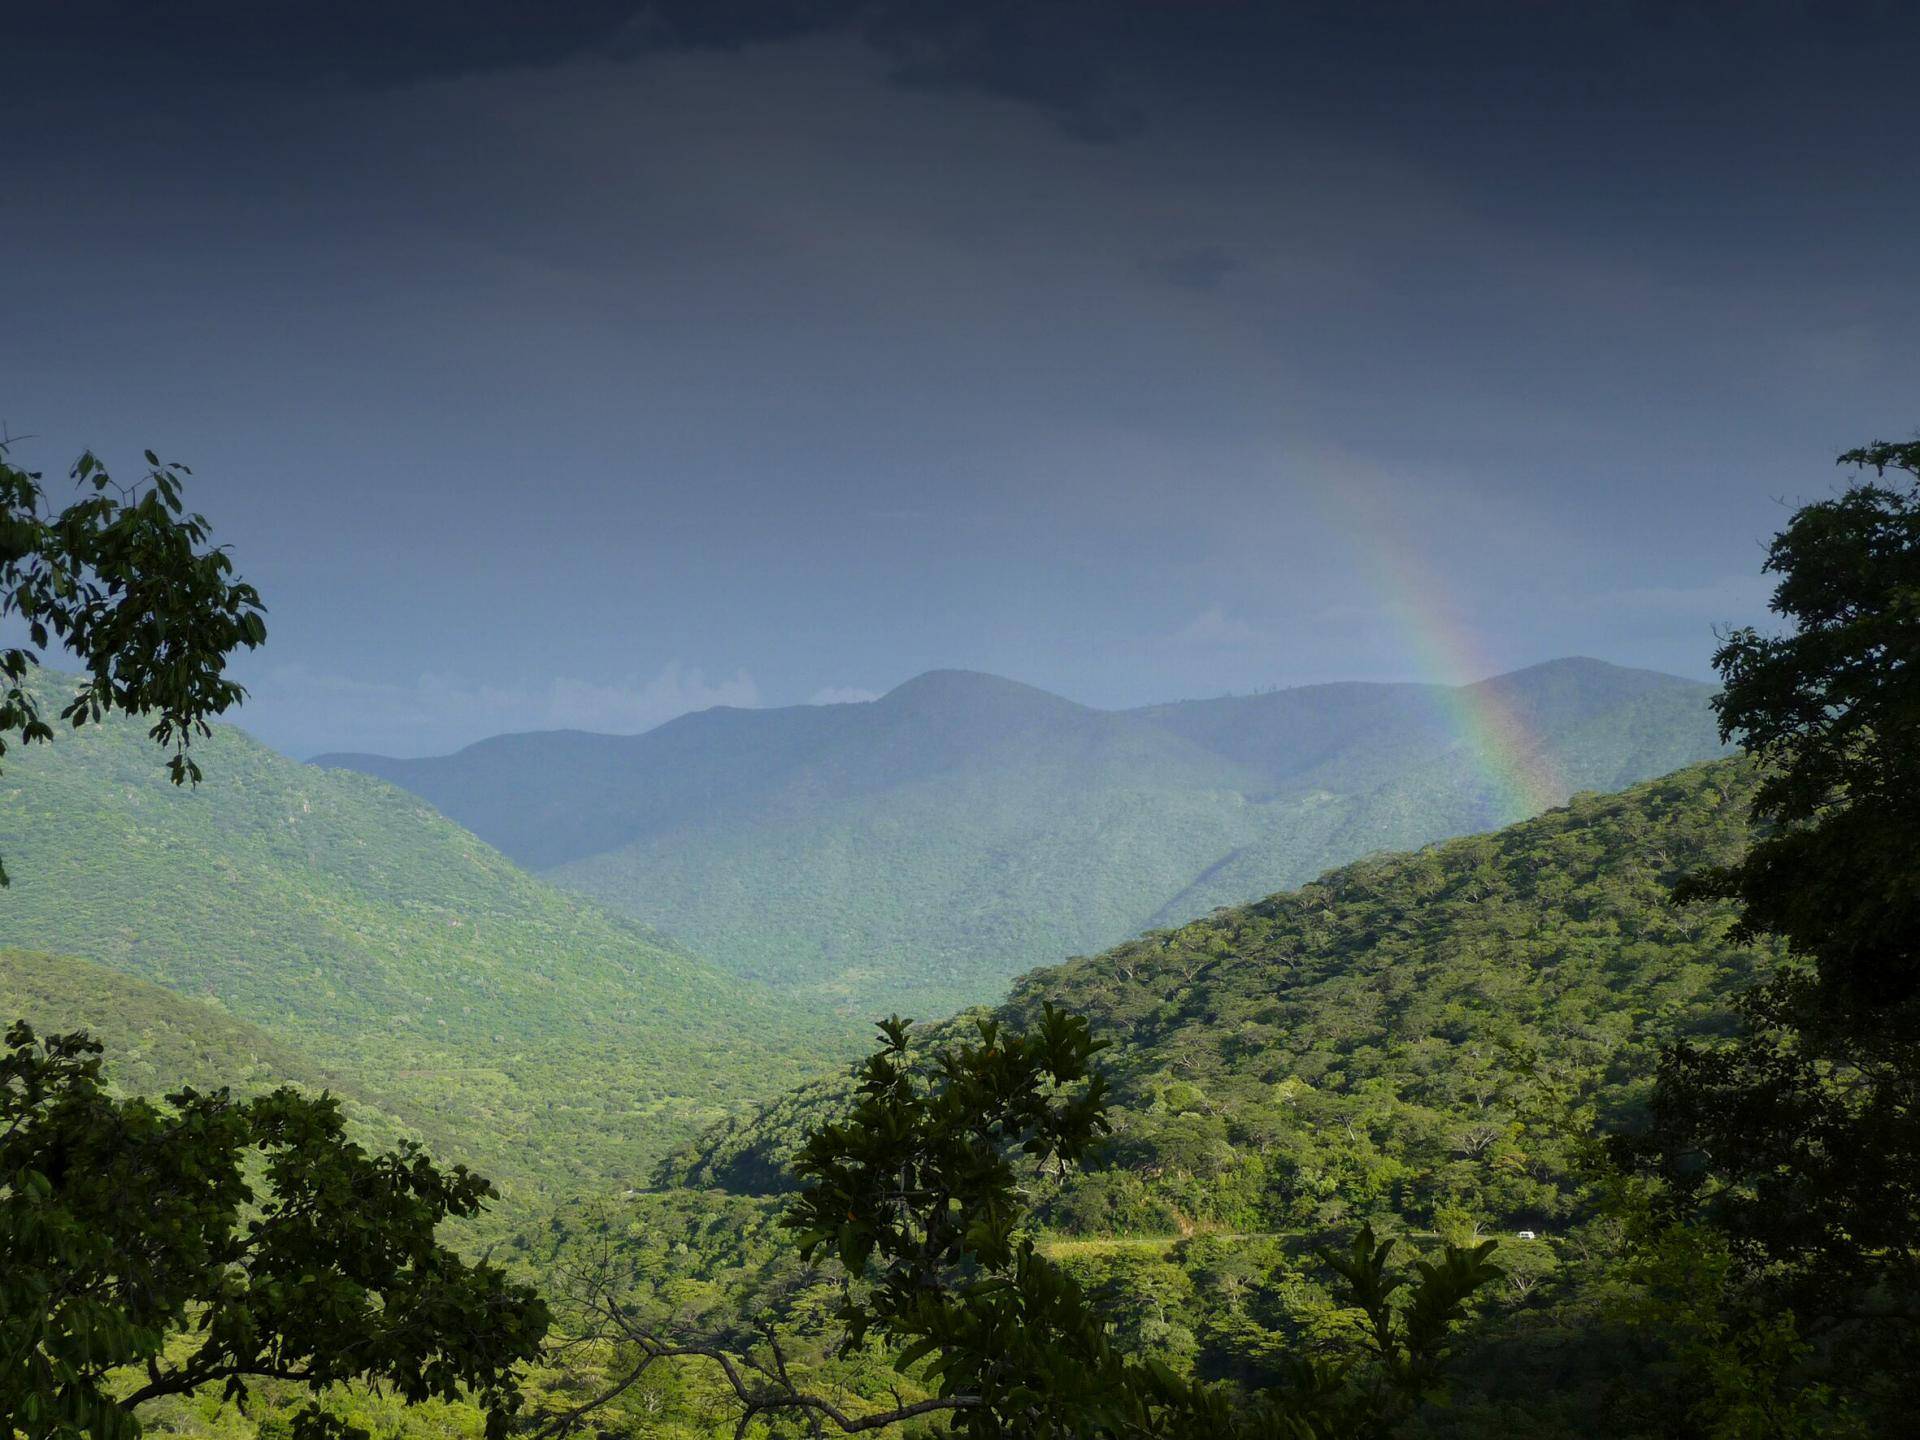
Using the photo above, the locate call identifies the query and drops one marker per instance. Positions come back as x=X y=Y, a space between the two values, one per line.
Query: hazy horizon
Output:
x=238 y=718
x=584 y=368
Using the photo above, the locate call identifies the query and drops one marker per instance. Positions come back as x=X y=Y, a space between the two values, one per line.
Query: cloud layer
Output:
x=858 y=340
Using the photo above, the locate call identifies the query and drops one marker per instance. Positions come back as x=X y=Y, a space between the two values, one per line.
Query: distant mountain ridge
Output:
x=923 y=848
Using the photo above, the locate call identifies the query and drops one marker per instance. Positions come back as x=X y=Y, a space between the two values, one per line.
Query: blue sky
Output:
x=580 y=373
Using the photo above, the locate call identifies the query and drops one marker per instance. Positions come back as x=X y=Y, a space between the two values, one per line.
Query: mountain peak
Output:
x=971 y=690
x=1585 y=672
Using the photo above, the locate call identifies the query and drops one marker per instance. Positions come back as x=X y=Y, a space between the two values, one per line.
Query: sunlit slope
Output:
x=346 y=918
x=1423 y=1041
x=918 y=851
x=156 y=1042
x=1379 y=1039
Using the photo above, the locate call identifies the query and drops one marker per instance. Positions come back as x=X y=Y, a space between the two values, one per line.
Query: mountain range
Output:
x=1409 y=1037
x=917 y=851
x=284 y=922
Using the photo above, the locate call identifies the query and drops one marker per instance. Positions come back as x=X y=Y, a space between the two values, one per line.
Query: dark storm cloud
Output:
x=1201 y=268
x=1083 y=62
x=578 y=363
x=1033 y=53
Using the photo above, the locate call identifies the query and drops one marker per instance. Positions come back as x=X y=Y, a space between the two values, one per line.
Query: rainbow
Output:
x=1519 y=776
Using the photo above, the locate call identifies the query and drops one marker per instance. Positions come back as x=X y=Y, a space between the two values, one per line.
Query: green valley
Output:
x=1421 y=1040
x=960 y=720
x=918 y=851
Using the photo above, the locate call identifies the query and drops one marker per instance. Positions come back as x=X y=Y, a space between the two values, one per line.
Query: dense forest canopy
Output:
x=1424 y=1042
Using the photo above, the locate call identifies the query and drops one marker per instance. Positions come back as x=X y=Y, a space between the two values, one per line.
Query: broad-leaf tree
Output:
x=1832 y=706
x=153 y=1250
x=1799 y=1141
x=125 y=581
x=919 y=1194
x=148 y=1251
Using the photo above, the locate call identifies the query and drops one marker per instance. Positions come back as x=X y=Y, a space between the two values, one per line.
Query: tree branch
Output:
x=780 y=1394
x=182 y=1382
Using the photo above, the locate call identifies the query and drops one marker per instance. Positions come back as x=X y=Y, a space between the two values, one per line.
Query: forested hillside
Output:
x=156 y=1042
x=552 y=1045
x=1416 y=1039
x=1361 y=1026
x=920 y=850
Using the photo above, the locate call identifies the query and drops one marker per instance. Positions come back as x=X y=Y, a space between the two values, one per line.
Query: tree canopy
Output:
x=216 y=1242
x=151 y=1250
x=125 y=580
x=1798 y=1142
x=920 y=1195
x=1833 y=707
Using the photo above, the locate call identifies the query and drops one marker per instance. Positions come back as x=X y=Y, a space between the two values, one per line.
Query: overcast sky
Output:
x=581 y=371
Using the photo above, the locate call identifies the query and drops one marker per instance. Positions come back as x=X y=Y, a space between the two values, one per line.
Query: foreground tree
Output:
x=918 y=1194
x=1799 y=1142
x=1832 y=709
x=141 y=1258
x=150 y=1251
x=125 y=581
